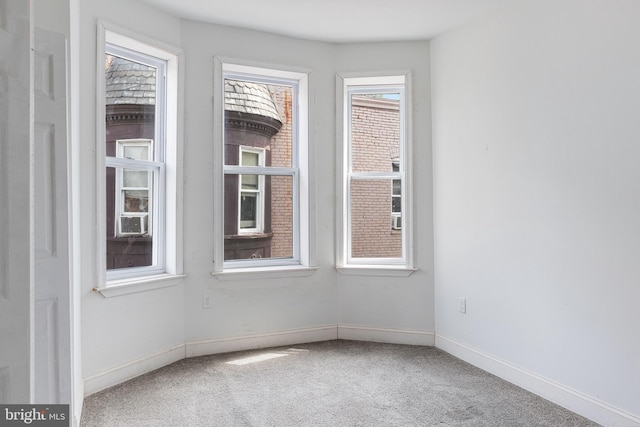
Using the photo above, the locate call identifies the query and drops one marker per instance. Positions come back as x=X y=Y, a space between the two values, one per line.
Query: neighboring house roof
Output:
x=127 y=82
x=253 y=98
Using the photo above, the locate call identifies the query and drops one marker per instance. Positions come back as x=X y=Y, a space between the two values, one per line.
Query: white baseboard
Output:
x=119 y=374
x=394 y=336
x=127 y=371
x=271 y=339
x=587 y=406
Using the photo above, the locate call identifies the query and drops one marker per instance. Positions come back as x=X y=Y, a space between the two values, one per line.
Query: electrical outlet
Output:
x=206 y=301
x=462 y=305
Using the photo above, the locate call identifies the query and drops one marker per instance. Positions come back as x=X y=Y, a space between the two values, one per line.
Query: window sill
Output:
x=264 y=273
x=117 y=288
x=380 y=271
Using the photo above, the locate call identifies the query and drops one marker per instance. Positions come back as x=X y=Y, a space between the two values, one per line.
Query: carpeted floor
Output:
x=333 y=383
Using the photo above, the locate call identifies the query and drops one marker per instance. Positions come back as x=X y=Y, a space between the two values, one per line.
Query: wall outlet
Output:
x=462 y=305
x=206 y=301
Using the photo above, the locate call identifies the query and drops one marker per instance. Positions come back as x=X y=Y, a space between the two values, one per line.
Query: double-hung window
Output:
x=138 y=155
x=134 y=189
x=261 y=150
x=375 y=207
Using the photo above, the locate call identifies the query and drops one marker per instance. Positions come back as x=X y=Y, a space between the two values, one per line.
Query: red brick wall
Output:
x=375 y=143
x=282 y=187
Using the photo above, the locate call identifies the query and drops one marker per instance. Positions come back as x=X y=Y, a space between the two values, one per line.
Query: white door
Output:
x=16 y=220
x=52 y=311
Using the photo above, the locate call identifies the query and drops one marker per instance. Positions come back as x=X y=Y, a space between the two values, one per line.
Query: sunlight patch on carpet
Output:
x=256 y=359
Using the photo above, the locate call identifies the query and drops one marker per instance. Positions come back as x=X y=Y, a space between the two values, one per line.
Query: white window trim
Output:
x=142 y=278
x=304 y=236
x=259 y=228
x=345 y=83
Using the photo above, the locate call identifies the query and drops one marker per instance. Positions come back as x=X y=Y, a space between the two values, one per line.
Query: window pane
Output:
x=136 y=152
x=135 y=178
x=248 y=210
x=397 y=187
x=250 y=182
x=396 y=204
x=375 y=132
x=129 y=240
x=396 y=196
x=260 y=222
x=135 y=201
x=258 y=115
x=258 y=131
x=372 y=234
x=130 y=98
x=250 y=159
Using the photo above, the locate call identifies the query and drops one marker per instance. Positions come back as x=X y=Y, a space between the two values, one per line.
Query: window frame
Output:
x=166 y=164
x=259 y=228
x=228 y=68
x=348 y=84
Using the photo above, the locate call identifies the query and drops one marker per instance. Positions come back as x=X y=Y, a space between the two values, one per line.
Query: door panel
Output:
x=16 y=224
x=52 y=311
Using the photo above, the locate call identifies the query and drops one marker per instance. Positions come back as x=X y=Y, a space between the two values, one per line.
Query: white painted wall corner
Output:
x=394 y=336
x=580 y=403
x=127 y=371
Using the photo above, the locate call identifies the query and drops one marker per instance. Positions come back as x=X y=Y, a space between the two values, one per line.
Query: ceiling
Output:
x=336 y=20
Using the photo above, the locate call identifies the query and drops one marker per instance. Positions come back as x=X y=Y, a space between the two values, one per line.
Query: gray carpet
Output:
x=333 y=383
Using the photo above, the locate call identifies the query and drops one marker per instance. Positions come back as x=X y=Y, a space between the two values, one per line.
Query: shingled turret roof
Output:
x=246 y=97
x=128 y=82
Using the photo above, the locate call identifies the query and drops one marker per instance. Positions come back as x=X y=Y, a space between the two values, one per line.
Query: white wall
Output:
x=125 y=335
x=119 y=330
x=266 y=307
x=536 y=183
x=376 y=304
x=242 y=308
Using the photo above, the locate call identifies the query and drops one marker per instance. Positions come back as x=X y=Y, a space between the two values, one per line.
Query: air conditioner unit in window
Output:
x=132 y=225
x=396 y=222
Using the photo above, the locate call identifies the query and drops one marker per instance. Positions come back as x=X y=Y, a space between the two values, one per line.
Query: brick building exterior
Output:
x=281 y=186
x=375 y=147
x=375 y=133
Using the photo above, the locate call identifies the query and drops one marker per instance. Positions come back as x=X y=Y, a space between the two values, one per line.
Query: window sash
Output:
x=298 y=81
x=152 y=195
x=155 y=215
x=154 y=164
x=349 y=218
x=160 y=96
x=258 y=209
x=262 y=171
x=295 y=227
x=363 y=86
x=250 y=225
